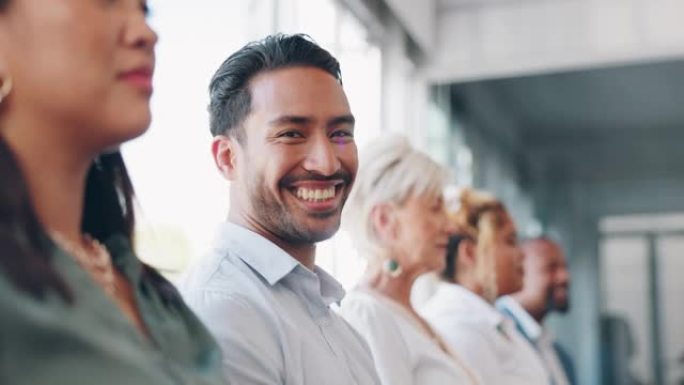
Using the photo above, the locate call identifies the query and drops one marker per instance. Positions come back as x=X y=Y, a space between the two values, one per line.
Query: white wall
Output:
x=506 y=38
x=418 y=18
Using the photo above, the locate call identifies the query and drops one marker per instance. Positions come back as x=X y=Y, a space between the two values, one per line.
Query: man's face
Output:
x=560 y=297
x=547 y=276
x=299 y=159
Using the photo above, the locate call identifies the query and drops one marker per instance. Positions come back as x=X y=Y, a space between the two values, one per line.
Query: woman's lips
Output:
x=140 y=78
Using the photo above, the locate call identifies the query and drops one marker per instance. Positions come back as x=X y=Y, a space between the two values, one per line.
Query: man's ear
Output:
x=224 y=150
x=384 y=221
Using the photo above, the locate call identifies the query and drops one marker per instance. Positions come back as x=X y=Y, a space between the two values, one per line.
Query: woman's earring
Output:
x=6 y=88
x=392 y=268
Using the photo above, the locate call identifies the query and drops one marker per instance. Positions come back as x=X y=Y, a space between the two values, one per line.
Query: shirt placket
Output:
x=322 y=316
x=329 y=331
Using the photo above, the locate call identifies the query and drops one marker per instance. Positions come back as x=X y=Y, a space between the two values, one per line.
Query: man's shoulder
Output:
x=232 y=300
x=221 y=277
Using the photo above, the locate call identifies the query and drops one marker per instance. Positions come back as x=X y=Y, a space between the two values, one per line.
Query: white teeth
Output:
x=315 y=195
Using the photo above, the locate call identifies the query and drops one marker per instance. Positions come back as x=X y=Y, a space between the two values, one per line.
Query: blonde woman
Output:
x=483 y=262
x=398 y=220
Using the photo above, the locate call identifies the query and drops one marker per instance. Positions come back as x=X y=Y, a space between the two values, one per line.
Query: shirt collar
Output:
x=331 y=290
x=467 y=301
x=263 y=256
x=273 y=264
x=529 y=325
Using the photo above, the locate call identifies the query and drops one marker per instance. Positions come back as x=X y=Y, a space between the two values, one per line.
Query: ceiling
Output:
x=446 y=4
x=600 y=103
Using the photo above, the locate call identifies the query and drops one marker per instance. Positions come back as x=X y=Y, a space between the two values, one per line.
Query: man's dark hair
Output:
x=230 y=99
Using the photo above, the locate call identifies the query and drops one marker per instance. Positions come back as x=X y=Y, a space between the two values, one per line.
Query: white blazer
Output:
x=486 y=340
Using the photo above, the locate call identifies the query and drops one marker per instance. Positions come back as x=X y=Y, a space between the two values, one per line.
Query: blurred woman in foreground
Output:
x=76 y=305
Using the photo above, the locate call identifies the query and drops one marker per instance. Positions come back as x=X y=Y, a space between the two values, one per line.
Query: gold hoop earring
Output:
x=6 y=88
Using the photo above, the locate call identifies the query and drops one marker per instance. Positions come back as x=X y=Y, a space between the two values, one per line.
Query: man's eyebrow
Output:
x=344 y=119
x=299 y=120
x=291 y=119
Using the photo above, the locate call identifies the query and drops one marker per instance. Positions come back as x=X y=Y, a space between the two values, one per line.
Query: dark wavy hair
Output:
x=230 y=99
x=451 y=258
x=25 y=244
x=26 y=247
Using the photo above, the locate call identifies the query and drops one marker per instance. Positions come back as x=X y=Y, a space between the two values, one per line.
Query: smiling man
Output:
x=545 y=289
x=284 y=138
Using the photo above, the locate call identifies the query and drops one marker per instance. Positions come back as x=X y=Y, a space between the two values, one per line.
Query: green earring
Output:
x=392 y=268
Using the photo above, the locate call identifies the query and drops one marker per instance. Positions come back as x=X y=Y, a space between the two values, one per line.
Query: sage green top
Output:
x=91 y=342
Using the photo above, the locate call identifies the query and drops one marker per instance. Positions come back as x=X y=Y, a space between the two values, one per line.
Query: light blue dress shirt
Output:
x=272 y=317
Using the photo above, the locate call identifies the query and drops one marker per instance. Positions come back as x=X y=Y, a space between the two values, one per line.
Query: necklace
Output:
x=93 y=257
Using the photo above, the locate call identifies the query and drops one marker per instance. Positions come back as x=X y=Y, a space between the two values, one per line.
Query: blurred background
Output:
x=571 y=111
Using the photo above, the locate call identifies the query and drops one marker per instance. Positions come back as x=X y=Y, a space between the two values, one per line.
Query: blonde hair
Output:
x=390 y=171
x=479 y=216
